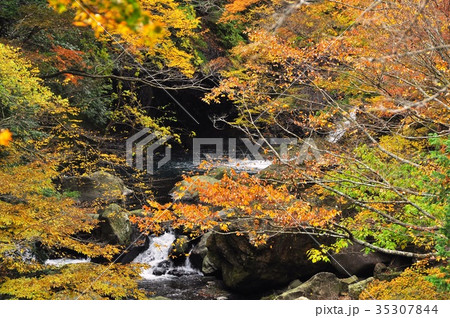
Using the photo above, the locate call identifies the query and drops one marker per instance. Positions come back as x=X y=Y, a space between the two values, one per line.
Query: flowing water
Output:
x=181 y=282
x=157 y=256
x=185 y=282
x=162 y=278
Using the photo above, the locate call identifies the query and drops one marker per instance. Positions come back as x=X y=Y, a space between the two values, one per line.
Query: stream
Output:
x=162 y=279
x=183 y=282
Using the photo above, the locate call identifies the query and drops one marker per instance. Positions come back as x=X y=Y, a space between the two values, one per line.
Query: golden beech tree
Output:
x=173 y=48
x=33 y=212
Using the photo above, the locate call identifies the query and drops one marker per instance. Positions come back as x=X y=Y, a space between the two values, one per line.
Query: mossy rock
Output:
x=354 y=290
x=345 y=282
x=116 y=227
x=99 y=186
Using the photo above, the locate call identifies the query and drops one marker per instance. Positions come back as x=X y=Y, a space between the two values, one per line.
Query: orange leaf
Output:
x=5 y=137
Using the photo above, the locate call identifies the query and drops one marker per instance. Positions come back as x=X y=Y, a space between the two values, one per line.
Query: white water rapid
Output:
x=157 y=256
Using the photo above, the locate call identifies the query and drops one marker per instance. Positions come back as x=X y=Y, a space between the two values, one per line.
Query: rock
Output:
x=294 y=284
x=180 y=247
x=134 y=250
x=276 y=173
x=98 y=186
x=199 y=252
x=208 y=267
x=162 y=268
x=247 y=268
x=354 y=290
x=270 y=297
x=116 y=227
x=347 y=281
x=319 y=287
x=352 y=260
x=179 y=271
x=383 y=272
x=138 y=213
x=187 y=191
x=302 y=298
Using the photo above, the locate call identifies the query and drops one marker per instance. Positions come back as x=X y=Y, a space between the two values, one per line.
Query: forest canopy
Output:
x=367 y=81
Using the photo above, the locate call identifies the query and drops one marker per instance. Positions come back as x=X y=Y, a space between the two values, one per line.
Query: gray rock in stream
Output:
x=219 y=172
x=115 y=225
x=99 y=186
x=199 y=252
x=162 y=268
x=246 y=268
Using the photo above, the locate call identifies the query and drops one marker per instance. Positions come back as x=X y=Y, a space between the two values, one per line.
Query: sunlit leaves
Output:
x=23 y=95
x=239 y=197
x=122 y=17
x=411 y=284
x=162 y=30
x=78 y=281
x=5 y=137
x=33 y=211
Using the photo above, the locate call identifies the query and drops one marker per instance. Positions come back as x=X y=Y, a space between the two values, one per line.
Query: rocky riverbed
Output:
x=226 y=266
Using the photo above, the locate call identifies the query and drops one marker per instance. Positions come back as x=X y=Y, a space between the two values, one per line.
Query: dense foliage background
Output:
x=367 y=81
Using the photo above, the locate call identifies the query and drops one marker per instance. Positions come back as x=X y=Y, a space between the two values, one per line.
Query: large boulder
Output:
x=199 y=251
x=98 y=186
x=188 y=191
x=320 y=287
x=247 y=268
x=353 y=260
x=115 y=226
x=209 y=267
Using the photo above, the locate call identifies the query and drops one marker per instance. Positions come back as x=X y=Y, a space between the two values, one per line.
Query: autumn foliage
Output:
x=33 y=213
x=368 y=80
x=238 y=196
x=411 y=285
